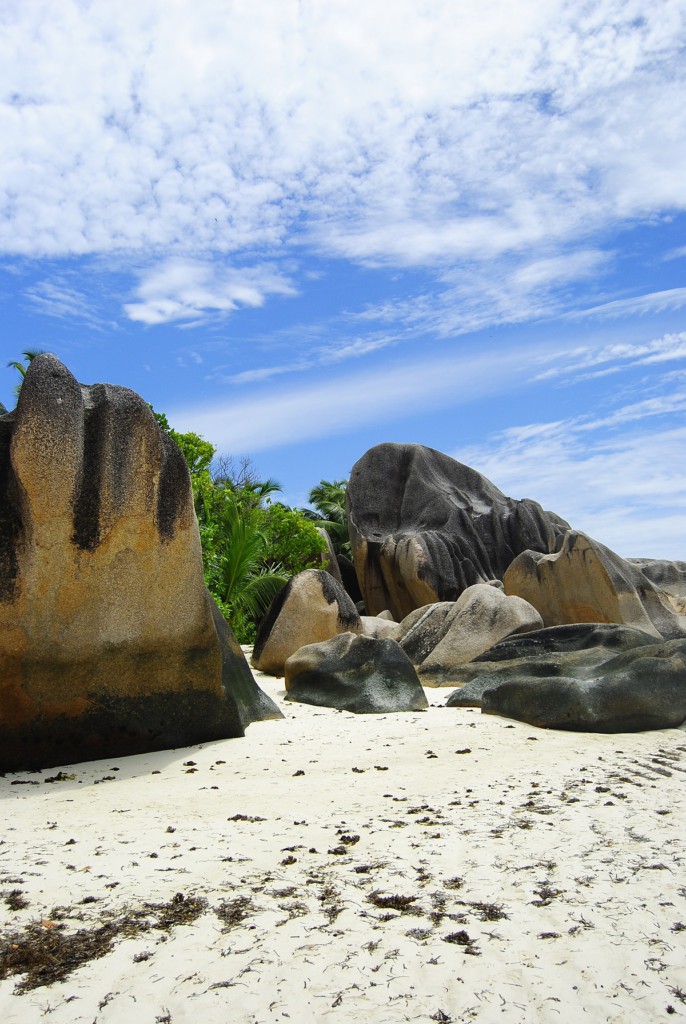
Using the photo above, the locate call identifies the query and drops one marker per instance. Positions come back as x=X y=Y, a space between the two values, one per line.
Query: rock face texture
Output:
x=558 y=651
x=587 y=582
x=669 y=577
x=312 y=607
x=424 y=527
x=439 y=643
x=592 y=678
x=355 y=673
x=109 y=642
x=378 y=627
x=423 y=628
x=643 y=689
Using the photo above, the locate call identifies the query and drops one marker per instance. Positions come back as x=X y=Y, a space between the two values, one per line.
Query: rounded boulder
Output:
x=355 y=673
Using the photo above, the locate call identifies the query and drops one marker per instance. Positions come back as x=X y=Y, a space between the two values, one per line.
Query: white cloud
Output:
x=437 y=134
x=192 y=290
x=557 y=269
x=628 y=489
x=572 y=366
x=638 y=305
x=59 y=298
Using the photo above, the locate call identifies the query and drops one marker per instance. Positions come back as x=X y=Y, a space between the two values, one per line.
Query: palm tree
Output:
x=29 y=355
x=328 y=498
x=236 y=568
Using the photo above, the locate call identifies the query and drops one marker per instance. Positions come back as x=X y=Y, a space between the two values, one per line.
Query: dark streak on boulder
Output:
x=424 y=527
x=11 y=531
x=312 y=607
x=174 y=491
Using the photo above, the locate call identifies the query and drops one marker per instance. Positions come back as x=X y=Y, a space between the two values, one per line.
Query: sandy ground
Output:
x=434 y=866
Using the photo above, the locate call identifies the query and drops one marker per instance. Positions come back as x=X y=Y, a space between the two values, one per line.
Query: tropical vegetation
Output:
x=330 y=512
x=251 y=544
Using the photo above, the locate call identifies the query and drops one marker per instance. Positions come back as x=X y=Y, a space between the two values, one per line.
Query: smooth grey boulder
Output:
x=378 y=627
x=355 y=673
x=588 y=677
x=311 y=607
x=424 y=527
x=587 y=582
x=423 y=628
x=575 y=650
x=480 y=617
x=636 y=691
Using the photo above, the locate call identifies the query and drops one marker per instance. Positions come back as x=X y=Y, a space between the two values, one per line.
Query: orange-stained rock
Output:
x=311 y=608
x=587 y=582
x=109 y=641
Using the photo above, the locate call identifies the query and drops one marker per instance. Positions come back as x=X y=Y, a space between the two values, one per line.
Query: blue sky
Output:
x=304 y=228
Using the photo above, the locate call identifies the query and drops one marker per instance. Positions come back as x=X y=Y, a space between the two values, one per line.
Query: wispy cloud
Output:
x=187 y=290
x=638 y=305
x=476 y=295
x=59 y=298
x=270 y=419
x=574 y=364
x=262 y=373
x=341 y=350
x=626 y=488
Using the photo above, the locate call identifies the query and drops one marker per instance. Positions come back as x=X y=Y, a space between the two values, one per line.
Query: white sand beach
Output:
x=435 y=866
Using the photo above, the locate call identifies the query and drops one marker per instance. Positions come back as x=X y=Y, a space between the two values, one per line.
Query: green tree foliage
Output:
x=328 y=498
x=240 y=573
x=250 y=546
x=292 y=539
x=197 y=452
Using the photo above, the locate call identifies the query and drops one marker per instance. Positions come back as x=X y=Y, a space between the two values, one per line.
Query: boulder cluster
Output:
x=110 y=643
x=464 y=587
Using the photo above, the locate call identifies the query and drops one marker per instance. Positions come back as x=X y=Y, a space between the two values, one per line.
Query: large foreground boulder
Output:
x=440 y=642
x=354 y=673
x=109 y=641
x=312 y=607
x=424 y=527
x=587 y=582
